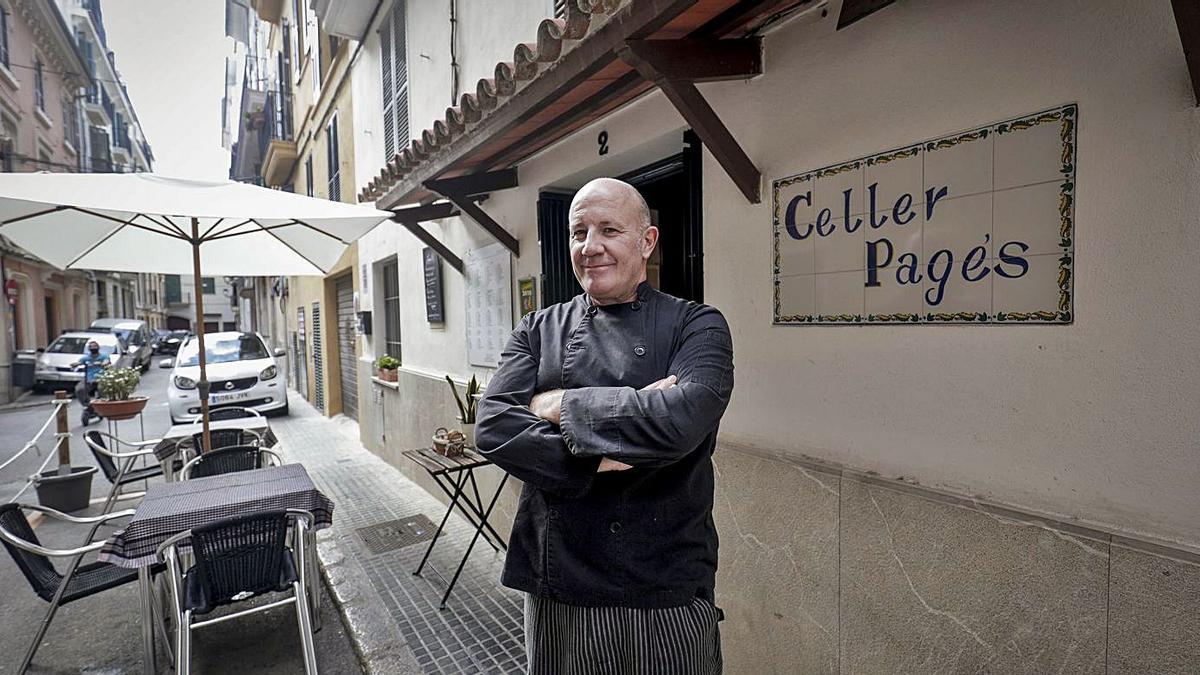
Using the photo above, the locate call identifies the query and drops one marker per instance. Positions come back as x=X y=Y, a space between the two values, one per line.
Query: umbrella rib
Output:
x=34 y=215
x=105 y=238
x=211 y=228
x=319 y=231
x=122 y=222
x=181 y=231
x=292 y=248
x=226 y=232
x=262 y=228
x=166 y=226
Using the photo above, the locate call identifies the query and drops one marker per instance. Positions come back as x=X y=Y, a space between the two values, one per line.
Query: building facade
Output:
x=951 y=445
x=63 y=107
x=306 y=145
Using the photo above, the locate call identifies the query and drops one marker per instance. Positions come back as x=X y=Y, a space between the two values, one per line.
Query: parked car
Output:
x=241 y=372
x=56 y=364
x=170 y=343
x=156 y=337
x=135 y=334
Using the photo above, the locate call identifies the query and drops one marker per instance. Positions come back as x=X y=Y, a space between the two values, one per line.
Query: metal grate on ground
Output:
x=396 y=534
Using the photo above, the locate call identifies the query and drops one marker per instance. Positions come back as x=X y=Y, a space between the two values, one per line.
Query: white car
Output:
x=56 y=367
x=241 y=372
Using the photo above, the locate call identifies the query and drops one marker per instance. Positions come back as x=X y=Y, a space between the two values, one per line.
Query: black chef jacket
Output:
x=643 y=537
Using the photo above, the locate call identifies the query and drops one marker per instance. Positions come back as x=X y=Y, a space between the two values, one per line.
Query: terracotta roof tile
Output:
x=553 y=38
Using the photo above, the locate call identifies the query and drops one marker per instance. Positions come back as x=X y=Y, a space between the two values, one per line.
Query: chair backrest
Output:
x=106 y=463
x=232 y=413
x=241 y=555
x=225 y=460
x=221 y=438
x=38 y=569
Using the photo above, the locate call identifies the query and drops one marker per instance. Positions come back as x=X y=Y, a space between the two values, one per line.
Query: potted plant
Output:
x=116 y=385
x=387 y=366
x=466 y=407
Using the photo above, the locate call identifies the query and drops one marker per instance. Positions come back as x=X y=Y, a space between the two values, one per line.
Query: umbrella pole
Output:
x=202 y=385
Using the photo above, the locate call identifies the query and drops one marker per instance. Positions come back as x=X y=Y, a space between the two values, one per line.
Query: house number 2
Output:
x=602 y=140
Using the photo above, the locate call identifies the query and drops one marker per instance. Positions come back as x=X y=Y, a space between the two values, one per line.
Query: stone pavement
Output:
x=392 y=615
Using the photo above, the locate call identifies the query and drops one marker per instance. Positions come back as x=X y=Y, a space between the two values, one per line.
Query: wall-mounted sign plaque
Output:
x=976 y=227
x=432 y=266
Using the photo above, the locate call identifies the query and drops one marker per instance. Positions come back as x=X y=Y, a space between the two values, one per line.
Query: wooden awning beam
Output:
x=424 y=212
x=432 y=242
x=853 y=10
x=657 y=63
x=1187 y=19
x=475 y=184
x=701 y=60
x=464 y=191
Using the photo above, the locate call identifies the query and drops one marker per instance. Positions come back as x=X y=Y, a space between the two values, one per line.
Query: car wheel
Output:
x=280 y=412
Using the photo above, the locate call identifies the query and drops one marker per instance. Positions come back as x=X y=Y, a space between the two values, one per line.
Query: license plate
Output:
x=226 y=398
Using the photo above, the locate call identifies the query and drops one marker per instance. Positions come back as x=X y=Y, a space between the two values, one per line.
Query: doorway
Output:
x=346 y=334
x=672 y=189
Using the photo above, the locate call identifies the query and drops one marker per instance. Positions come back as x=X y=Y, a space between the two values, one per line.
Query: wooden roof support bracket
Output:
x=461 y=191
x=432 y=242
x=1187 y=18
x=676 y=65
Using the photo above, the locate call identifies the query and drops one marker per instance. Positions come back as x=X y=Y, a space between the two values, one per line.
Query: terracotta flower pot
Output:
x=389 y=375
x=119 y=410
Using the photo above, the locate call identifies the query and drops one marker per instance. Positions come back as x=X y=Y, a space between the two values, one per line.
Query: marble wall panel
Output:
x=777 y=579
x=933 y=587
x=1154 y=614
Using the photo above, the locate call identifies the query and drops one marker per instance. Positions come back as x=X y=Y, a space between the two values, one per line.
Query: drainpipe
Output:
x=6 y=345
x=453 y=53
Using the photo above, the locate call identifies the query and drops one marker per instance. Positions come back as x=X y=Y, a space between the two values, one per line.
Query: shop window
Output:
x=209 y=284
x=393 y=48
x=391 y=308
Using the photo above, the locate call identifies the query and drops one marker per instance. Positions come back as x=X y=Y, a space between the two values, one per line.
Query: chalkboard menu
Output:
x=433 y=286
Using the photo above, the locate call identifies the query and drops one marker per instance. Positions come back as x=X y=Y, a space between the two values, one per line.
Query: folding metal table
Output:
x=452 y=475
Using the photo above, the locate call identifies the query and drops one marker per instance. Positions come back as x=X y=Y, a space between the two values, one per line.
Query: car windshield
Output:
x=125 y=334
x=240 y=348
x=76 y=345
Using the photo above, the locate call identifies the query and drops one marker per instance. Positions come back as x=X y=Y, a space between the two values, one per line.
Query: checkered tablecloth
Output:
x=167 y=447
x=171 y=508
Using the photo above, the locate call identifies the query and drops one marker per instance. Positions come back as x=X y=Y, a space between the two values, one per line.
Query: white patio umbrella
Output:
x=150 y=223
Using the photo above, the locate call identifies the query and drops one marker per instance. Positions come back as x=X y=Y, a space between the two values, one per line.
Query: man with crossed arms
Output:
x=607 y=408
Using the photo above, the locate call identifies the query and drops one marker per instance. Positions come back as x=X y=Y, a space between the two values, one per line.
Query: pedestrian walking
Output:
x=93 y=362
x=607 y=408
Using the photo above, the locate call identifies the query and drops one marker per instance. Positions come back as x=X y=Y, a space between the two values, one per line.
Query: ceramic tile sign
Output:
x=975 y=227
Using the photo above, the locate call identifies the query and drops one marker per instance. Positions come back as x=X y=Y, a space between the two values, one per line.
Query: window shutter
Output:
x=389 y=123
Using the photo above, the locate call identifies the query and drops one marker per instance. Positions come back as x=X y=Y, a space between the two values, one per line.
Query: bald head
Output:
x=619 y=192
x=611 y=240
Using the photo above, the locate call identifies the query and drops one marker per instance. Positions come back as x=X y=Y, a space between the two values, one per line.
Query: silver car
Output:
x=136 y=336
x=56 y=367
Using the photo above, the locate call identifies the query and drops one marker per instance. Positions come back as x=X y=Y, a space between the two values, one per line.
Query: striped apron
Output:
x=568 y=640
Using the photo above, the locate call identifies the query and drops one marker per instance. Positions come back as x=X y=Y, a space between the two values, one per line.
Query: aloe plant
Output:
x=466 y=410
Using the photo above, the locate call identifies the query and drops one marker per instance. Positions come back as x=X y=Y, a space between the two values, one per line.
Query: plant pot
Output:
x=389 y=375
x=469 y=431
x=119 y=410
x=69 y=492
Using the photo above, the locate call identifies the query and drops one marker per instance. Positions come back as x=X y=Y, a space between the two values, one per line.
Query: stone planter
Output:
x=119 y=410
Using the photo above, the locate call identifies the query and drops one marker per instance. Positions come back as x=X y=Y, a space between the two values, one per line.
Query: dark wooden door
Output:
x=347 y=361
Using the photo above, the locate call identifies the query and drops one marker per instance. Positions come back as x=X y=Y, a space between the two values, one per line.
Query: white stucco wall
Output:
x=1095 y=421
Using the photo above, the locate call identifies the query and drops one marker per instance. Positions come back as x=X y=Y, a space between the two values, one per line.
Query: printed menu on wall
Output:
x=489 y=304
x=433 y=286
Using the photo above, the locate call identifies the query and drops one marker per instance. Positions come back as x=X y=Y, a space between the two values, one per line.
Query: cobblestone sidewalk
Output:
x=392 y=615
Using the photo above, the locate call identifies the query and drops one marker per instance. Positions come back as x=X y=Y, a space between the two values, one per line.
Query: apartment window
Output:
x=39 y=85
x=209 y=284
x=8 y=144
x=308 y=176
x=391 y=308
x=4 y=37
x=335 y=173
x=71 y=123
x=393 y=47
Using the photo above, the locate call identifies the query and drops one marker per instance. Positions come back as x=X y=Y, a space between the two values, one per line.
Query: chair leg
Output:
x=112 y=494
x=306 y=633
x=41 y=633
x=183 y=644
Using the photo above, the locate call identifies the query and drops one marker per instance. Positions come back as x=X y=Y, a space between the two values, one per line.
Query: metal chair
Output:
x=124 y=474
x=232 y=413
x=224 y=438
x=79 y=581
x=229 y=460
x=238 y=559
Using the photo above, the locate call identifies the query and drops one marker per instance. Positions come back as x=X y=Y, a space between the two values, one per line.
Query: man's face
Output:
x=609 y=249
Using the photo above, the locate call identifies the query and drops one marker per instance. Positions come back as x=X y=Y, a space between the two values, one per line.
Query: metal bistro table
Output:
x=171 y=508
x=452 y=475
x=170 y=444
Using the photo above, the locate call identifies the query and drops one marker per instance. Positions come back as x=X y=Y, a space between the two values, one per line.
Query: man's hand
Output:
x=665 y=383
x=548 y=405
x=607 y=464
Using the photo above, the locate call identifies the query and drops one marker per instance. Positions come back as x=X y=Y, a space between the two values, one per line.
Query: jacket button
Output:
x=639 y=350
x=636 y=305
x=591 y=311
x=615 y=527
